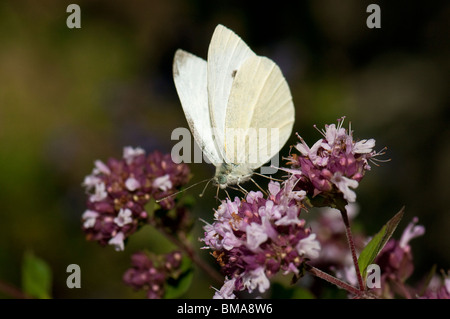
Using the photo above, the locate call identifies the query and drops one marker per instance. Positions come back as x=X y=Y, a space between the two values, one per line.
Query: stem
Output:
x=358 y=294
x=351 y=243
x=339 y=283
x=184 y=246
x=12 y=291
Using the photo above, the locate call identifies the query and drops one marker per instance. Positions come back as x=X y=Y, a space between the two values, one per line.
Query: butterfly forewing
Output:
x=190 y=77
x=226 y=54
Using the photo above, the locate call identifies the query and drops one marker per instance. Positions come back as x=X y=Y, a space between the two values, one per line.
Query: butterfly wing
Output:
x=260 y=101
x=226 y=53
x=190 y=77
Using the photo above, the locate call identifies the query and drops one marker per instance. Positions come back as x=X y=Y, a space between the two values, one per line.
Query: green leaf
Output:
x=36 y=277
x=373 y=248
x=176 y=287
x=150 y=207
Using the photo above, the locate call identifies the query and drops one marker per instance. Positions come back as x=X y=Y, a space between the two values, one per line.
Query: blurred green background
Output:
x=71 y=96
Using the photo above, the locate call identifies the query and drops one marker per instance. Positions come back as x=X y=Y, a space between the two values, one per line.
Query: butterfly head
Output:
x=231 y=174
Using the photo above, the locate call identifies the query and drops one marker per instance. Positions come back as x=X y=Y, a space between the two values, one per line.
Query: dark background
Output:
x=70 y=96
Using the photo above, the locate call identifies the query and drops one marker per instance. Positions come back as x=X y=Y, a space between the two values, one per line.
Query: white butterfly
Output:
x=234 y=89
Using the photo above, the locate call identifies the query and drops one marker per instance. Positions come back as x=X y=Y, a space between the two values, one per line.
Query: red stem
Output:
x=12 y=291
x=335 y=281
x=184 y=246
x=351 y=243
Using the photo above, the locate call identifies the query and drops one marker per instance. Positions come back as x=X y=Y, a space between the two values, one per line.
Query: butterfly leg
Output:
x=268 y=177
x=228 y=195
x=239 y=190
x=242 y=189
x=262 y=190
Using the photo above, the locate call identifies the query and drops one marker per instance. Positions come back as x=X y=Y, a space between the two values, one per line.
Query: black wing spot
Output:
x=233 y=74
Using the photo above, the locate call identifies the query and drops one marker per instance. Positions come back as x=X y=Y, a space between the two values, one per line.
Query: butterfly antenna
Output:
x=176 y=193
x=204 y=189
x=262 y=190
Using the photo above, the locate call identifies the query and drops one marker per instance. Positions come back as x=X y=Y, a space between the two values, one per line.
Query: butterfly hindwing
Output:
x=260 y=107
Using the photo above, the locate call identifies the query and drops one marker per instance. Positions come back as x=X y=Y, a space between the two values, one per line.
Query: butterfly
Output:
x=238 y=106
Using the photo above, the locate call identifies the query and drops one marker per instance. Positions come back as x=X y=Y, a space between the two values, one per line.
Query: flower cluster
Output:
x=438 y=288
x=119 y=190
x=334 y=165
x=396 y=261
x=257 y=236
x=151 y=274
x=254 y=238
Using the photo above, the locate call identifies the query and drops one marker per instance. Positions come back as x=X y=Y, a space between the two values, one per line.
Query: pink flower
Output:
x=150 y=272
x=334 y=165
x=255 y=237
x=117 y=241
x=226 y=292
x=343 y=184
x=309 y=247
x=119 y=190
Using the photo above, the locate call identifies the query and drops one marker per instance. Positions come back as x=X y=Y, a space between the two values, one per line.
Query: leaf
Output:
x=373 y=248
x=36 y=276
x=150 y=207
x=176 y=287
